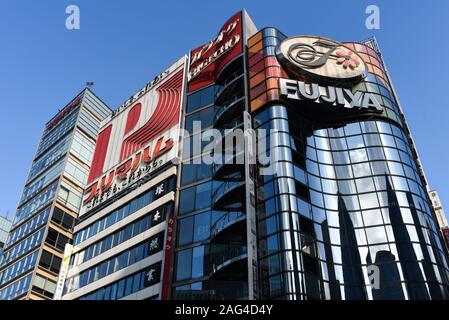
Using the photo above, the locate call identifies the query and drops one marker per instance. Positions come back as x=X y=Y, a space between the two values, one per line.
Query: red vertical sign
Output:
x=167 y=256
x=207 y=61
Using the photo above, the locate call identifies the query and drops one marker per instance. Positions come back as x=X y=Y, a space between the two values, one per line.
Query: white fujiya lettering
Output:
x=298 y=90
x=355 y=98
x=370 y=101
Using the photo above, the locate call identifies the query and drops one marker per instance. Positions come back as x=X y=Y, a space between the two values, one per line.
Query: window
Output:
x=56 y=239
x=121 y=289
x=185 y=231
x=44 y=286
x=131 y=230
x=126 y=286
x=202 y=226
x=200 y=98
x=186 y=200
x=63 y=219
x=195 y=172
x=302 y=191
x=198 y=262
x=184 y=264
x=129 y=286
x=129 y=208
x=206 y=116
x=50 y=262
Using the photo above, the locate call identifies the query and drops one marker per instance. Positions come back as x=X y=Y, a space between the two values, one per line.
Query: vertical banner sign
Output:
x=207 y=61
x=251 y=234
x=63 y=272
x=167 y=255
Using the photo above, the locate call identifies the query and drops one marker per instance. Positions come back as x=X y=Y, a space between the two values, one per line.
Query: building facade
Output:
x=343 y=195
x=296 y=178
x=127 y=213
x=51 y=199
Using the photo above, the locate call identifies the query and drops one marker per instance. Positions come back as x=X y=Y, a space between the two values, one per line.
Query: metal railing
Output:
x=226 y=220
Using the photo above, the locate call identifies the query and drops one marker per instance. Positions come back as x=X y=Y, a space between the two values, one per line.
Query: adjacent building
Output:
x=51 y=199
x=295 y=177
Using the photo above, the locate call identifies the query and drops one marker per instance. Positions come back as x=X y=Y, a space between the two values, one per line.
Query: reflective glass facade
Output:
x=343 y=215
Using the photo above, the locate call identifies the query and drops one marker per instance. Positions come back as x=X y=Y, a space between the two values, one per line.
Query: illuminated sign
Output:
x=321 y=59
x=63 y=113
x=153 y=113
x=142 y=91
x=206 y=61
x=298 y=90
x=321 y=98
x=168 y=250
x=132 y=171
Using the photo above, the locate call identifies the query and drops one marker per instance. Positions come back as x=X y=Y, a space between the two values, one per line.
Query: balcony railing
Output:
x=229 y=105
x=230 y=86
x=227 y=220
x=227 y=194
x=231 y=253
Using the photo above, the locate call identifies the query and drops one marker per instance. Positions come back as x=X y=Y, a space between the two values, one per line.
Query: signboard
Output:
x=63 y=113
x=135 y=170
x=329 y=103
x=321 y=59
x=207 y=61
x=63 y=272
x=152 y=115
x=152 y=275
x=155 y=243
x=168 y=250
x=141 y=136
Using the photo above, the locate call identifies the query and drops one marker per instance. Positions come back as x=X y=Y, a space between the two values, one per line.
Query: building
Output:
x=127 y=213
x=5 y=226
x=50 y=202
x=296 y=178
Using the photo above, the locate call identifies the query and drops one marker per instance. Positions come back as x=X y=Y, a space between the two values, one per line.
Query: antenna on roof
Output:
x=89 y=84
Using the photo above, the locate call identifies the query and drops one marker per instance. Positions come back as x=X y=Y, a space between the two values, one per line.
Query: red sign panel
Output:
x=208 y=60
x=168 y=250
x=64 y=112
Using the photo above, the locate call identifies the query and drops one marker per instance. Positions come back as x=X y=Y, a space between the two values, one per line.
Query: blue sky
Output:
x=123 y=44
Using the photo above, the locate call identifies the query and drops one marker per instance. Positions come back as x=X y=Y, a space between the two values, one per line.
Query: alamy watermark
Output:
x=373 y=19
x=73 y=20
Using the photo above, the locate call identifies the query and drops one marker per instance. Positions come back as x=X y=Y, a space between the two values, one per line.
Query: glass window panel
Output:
x=184 y=264
x=198 y=262
x=186 y=230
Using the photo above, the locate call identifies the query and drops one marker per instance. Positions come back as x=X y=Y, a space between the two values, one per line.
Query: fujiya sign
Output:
x=133 y=170
x=330 y=95
x=321 y=59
